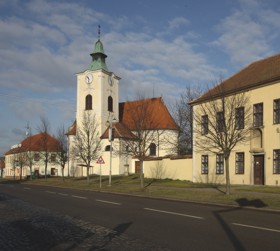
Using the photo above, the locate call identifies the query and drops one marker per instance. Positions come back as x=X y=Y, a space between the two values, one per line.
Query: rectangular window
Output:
x=53 y=157
x=239 y=163
x=204 y=164
x=276 y=161
x=220 y=121
x=276 y=111
x=239 y=118
x=258 y=115
x=36 y=157
x=219 y=164
x=204 y=124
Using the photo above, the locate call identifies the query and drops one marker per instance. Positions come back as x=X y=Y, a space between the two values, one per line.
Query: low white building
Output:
x=31 y=152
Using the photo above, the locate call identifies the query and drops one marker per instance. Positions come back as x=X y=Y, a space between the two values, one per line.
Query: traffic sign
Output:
x=100 y=160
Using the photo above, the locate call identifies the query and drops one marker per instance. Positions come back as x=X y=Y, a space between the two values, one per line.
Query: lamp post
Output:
x=111 y=139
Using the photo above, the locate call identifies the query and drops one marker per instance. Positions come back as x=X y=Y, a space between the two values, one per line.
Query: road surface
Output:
x=153 y=223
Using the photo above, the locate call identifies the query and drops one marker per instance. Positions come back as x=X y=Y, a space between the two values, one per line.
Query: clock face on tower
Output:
x=89 y=78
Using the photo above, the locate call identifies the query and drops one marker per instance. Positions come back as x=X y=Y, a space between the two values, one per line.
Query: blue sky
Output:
x=155 y=46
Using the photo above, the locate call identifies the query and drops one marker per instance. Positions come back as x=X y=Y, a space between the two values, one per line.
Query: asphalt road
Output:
x=171 y=224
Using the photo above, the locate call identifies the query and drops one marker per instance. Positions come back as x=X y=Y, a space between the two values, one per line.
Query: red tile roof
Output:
x=120 y=131
x=153 y=113
x=34 y=143
x=258 y=73
x=72 y=129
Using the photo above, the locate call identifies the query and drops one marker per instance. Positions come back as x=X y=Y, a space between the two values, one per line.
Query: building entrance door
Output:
x=259 y=169
x=137 y=167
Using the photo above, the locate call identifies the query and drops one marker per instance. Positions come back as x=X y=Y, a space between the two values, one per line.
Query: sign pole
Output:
x=100 y=161
x=100 y=176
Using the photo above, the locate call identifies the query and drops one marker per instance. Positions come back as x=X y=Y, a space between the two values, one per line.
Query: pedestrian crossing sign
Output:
x=100 y=160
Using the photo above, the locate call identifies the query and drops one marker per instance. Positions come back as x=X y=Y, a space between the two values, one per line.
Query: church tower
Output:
x=98 y=90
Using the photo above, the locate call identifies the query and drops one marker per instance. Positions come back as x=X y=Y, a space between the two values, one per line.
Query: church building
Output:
x=119 y=124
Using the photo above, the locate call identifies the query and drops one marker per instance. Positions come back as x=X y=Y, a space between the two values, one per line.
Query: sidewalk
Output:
x=25 y=227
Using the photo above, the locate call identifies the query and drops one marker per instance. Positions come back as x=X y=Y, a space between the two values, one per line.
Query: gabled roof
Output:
x=120 y=131
x=153 y=112
x=72 y=129
x=256 y=74
x=34 y=143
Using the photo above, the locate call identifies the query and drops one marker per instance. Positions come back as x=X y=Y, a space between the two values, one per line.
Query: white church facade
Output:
x=98 y=94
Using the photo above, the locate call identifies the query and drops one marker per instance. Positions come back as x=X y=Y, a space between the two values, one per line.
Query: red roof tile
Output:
x=120 y=131
x=72 y=129
x=34 y=143
x=153 y=113
x=256 y=74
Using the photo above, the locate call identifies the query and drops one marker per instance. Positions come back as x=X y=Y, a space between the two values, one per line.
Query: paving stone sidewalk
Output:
x=24 y=227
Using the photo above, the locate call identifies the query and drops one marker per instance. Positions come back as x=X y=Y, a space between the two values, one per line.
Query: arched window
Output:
x=110 y=104
x=107 y=148
x=153 y=149
x=88 y=102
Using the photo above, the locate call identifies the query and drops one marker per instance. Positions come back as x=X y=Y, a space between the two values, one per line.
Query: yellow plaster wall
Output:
x=176 y=169
x=271 y=141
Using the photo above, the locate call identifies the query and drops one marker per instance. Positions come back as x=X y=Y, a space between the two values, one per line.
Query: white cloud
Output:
x=178 y=22
x=247 y=34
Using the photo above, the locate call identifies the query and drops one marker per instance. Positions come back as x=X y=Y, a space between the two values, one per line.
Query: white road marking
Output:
x=109 y=202
x=63 y=194
x=179 y=214
x=27 y=188
x=255 y=227
x=79 y=197
x=50 y=192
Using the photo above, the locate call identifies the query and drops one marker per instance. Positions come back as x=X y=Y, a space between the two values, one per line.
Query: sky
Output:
x=157 y=47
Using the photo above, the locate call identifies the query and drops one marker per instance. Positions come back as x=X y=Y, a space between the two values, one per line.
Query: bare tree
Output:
x=145 y=129
x=2 y=166
x=87 y=142
x=22 y=160
x=28 y=148
x=62 y=148
x=14 y=161
x=220 y=124
x=44 y=129
x=182 y=114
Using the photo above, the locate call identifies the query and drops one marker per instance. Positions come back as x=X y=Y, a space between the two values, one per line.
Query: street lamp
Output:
x=111 y=139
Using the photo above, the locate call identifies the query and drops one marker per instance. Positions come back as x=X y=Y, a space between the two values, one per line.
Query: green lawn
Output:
x=253 y=196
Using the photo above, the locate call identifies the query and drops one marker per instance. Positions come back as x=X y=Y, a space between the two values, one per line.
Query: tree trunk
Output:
x=141 y=174
x=227 y=176
x=88 y=174
x=46 y=167
x=20 y=174
x=62 y=170
x=30 y=168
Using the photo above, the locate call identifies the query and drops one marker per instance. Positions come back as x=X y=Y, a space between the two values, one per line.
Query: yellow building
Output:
x=245 y=108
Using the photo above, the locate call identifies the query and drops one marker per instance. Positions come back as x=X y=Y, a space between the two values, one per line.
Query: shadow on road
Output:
x=243 y=202
x=257 y=203
x=117 y=231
